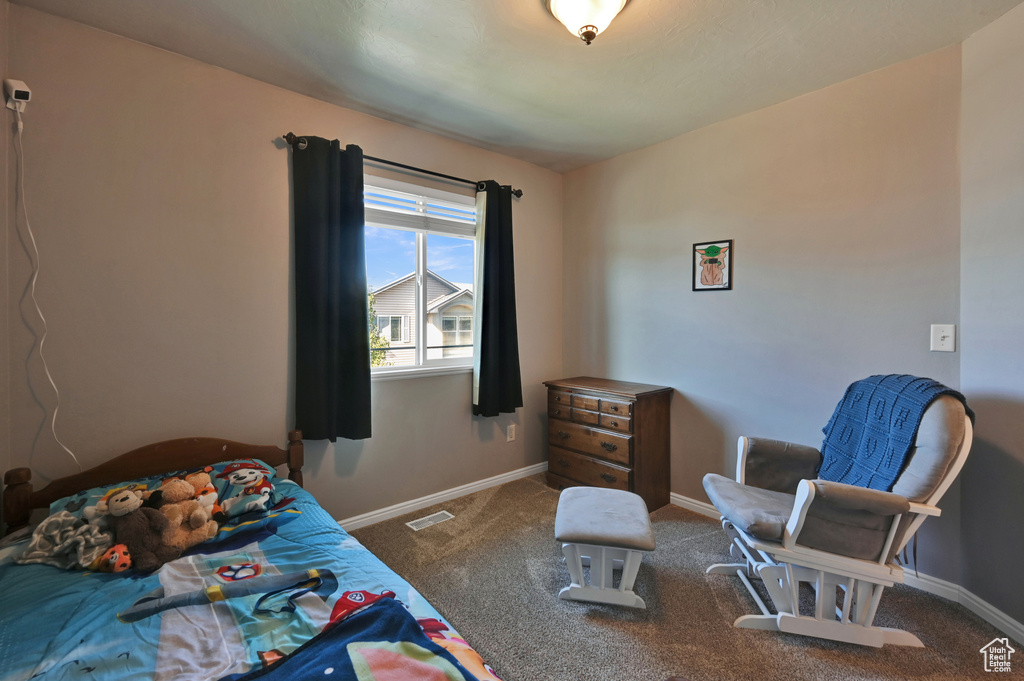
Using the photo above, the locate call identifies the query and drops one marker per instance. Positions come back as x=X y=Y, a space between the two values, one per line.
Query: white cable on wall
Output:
x=35 y=275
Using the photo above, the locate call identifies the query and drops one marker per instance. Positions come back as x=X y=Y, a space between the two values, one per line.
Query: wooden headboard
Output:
x=162 y=457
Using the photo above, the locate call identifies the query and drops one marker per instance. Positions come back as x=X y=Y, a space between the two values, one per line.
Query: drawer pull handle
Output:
x=615 y=424
x=608 y=478
x=563 y=463
x=613 y=408
x=558 y=398
x=610 y=446
x=557 y=412
x=562 y=434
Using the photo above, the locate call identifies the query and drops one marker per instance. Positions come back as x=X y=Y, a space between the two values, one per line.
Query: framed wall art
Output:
x=712 y=266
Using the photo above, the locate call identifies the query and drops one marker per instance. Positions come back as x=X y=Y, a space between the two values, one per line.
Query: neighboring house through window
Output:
x=420 y=264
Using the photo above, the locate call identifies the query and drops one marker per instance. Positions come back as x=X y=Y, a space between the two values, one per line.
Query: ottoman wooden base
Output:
x=607 y=529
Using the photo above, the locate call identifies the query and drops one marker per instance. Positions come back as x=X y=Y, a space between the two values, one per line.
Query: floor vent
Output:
x=432 y=519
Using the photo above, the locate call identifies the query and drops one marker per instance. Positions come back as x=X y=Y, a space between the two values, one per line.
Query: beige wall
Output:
x=159 y=189
x=992 y=297
x=844 y=208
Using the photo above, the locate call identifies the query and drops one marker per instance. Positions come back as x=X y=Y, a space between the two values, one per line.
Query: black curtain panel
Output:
x=332 y=346
x=497 y=385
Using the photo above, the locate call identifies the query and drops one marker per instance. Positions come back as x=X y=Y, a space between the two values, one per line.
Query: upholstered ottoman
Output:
x=607 y=529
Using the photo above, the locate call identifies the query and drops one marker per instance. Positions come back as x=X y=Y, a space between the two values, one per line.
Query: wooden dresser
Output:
x=605 y=433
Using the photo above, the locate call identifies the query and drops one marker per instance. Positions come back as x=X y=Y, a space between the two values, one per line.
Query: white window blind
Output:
x=388 y=207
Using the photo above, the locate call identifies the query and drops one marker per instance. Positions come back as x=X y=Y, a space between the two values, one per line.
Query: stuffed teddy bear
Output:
x=189 y=521
x=140 y=529
x=206 y=493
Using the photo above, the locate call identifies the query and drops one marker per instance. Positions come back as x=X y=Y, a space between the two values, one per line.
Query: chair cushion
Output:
x=761 y=513
x=758 y=512
x=939 y=437
x=603 y=517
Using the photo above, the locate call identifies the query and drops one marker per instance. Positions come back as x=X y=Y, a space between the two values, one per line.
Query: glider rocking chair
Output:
x=841 y=535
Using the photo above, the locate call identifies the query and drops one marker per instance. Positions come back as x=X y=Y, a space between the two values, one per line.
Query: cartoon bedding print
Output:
x=267 y=585
x=254 y=479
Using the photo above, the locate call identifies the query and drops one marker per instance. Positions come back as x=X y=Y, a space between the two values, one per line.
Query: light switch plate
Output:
x=943 y=338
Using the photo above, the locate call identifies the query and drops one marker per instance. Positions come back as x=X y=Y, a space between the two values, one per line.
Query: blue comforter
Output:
x=268 y=584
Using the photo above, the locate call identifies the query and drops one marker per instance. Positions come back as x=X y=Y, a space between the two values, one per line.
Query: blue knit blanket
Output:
x=872 y=429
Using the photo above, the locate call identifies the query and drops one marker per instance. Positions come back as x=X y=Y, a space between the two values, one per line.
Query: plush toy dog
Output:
x=189 y=521
x=140 y=529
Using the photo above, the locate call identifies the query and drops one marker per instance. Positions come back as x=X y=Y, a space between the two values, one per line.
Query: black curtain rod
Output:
x=290 y=138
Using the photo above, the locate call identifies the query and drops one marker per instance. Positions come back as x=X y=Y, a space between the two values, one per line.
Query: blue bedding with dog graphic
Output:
x=279 y=579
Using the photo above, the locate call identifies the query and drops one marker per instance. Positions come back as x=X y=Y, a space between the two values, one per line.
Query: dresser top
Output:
x=605 y=385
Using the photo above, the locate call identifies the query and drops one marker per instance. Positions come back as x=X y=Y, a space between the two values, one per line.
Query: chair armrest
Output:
x=925 y=509
x=854 y=498
x=844 y=519
x=775 y=465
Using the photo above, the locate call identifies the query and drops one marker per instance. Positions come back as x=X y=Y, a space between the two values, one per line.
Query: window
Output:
x=390 y=328
x=458 y=331
x=420 y=268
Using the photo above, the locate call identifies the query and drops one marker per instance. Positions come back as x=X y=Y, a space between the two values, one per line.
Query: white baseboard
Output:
x=689 y=504
x=355 y=522
x=933 y=585
x=956 y=593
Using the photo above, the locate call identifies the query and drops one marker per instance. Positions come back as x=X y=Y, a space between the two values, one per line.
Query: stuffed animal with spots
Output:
x=115 y=559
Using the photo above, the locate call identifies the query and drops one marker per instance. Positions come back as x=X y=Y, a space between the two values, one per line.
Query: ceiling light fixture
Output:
x=586 y=18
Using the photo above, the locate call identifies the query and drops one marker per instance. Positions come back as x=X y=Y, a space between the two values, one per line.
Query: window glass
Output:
x=420 y=263
x=449 y=295
x=390 y=276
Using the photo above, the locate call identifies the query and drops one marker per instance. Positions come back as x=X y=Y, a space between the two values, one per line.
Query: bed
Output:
x=279 y=592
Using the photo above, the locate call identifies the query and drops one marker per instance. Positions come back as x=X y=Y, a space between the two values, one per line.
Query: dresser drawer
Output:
x=559 y=398
x=586 y=470
x=616 y=407
x=584 y=416
x=559 y=411
x=615 y=422
x=560 y=483
x=602 y=443
x=585 y=402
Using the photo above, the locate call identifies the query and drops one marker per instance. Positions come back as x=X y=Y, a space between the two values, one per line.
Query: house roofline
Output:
x=437 y=303
x=430 y=272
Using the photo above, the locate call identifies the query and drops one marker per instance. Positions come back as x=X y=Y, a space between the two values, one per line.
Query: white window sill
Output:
x=419 y=372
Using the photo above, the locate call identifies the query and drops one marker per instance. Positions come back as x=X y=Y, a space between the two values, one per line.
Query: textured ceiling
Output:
x=506 y=76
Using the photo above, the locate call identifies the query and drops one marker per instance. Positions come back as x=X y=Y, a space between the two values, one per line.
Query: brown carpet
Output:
x=495 y=571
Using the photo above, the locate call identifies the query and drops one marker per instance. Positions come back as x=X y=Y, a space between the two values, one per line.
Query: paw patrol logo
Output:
x=235 y=573
x=356 y=597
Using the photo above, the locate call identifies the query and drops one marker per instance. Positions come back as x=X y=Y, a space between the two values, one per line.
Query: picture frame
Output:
x=712 y=265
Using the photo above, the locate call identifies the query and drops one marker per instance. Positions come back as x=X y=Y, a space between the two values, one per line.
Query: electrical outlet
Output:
x=511 y=433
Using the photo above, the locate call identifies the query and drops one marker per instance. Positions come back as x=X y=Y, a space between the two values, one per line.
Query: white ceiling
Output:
x=506 y=76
